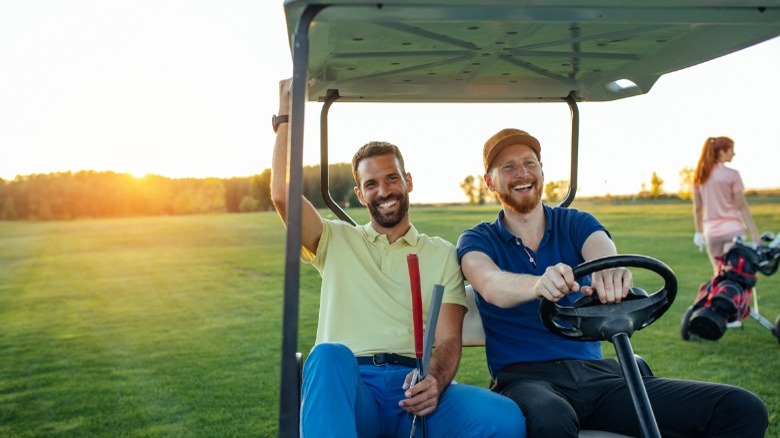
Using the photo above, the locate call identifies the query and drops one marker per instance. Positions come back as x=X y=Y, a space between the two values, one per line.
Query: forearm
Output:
x=444 y=363
x=697 y=213
x=499 y=288
x=279 y=164
x=750 y=223
x=747 y=217
x=507 y=289
x=279 y=172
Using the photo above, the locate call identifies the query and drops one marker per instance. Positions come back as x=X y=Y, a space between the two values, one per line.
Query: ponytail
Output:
x=709 y=157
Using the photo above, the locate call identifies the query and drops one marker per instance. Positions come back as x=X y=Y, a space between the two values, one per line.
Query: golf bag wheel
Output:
x=707 y=324
x=685 y=326
x=589 y=320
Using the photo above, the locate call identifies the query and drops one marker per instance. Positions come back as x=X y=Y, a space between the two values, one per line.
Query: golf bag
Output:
x=725 y=297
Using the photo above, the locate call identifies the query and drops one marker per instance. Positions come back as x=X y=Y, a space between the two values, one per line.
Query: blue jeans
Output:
x=344 y=399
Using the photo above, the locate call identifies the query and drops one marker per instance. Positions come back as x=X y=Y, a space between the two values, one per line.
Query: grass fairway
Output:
x=170 y=326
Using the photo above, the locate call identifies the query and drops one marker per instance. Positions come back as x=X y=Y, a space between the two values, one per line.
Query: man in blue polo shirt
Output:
x=562 y=385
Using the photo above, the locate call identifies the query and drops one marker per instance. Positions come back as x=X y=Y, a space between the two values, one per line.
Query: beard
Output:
x=523 y=206
x=391 y=219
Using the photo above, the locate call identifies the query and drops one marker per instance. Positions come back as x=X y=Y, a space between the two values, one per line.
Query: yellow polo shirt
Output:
x=365 y=300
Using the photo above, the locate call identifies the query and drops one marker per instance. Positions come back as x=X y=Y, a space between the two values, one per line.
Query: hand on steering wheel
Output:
x=589 y=320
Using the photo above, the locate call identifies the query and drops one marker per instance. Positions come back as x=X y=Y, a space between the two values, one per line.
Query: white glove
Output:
x=698 y=240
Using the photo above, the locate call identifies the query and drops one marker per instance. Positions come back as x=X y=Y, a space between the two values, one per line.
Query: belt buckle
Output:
x=381 y=358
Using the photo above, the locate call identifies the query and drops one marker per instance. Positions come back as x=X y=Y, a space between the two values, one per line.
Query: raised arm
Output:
x=311 y=219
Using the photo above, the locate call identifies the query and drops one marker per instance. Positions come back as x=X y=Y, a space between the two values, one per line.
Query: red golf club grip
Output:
x=414 y=280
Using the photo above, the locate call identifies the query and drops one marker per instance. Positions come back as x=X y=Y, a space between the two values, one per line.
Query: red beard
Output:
x=526 y=204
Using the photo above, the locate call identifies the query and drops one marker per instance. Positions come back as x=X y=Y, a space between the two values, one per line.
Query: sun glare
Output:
x=138 y=174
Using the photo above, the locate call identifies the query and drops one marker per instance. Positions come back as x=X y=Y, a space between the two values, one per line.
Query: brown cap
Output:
x=508 y=137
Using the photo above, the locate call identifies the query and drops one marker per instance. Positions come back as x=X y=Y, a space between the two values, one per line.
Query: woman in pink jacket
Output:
x=721 y=211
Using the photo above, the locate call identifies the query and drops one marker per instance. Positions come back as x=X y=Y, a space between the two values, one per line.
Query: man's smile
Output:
x=387 y=204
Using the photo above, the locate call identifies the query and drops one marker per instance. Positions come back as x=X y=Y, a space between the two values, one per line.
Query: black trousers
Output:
x=560 y=398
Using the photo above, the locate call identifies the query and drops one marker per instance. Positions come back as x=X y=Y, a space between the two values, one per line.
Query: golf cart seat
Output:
x=473 y=332
x=474 y=336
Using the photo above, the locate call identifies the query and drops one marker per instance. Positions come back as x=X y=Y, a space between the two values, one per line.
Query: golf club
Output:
x=414 y=281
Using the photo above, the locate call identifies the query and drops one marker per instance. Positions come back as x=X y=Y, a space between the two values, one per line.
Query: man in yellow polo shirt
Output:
x=356 y=378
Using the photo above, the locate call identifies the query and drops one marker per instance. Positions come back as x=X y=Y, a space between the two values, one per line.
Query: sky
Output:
x=187 y=88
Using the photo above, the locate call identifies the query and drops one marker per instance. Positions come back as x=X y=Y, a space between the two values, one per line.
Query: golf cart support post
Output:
x=483 y=51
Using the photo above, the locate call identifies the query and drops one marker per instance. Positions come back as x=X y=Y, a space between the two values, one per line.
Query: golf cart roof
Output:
x=517 y=51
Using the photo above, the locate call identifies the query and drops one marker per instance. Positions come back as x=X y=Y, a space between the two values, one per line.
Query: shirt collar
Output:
x=507 y=236
x=502 y=231
x=410 y=237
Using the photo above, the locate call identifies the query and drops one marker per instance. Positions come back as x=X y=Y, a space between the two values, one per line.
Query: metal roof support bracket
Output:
x=575 y=147
x=332 y=96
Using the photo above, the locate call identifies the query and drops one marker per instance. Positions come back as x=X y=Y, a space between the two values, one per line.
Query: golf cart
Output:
x=490 y=51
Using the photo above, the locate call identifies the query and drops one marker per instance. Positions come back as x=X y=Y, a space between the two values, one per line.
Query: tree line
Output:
x=93 y=194
x=104 y=194
x=476 y=190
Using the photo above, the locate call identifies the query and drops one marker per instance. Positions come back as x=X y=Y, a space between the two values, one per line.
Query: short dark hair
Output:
x=375 y=149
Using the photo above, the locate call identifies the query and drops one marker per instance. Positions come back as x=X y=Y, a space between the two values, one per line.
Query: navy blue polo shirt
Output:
x=518 y=334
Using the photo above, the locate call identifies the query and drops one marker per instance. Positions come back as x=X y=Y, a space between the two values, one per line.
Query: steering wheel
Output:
x=589 y=320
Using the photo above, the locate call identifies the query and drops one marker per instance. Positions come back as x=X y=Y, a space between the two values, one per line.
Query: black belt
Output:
x=380 y=359
x=520 y=365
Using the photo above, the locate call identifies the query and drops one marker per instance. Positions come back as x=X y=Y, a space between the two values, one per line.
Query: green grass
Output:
x=170 y=326
x=143 y=327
